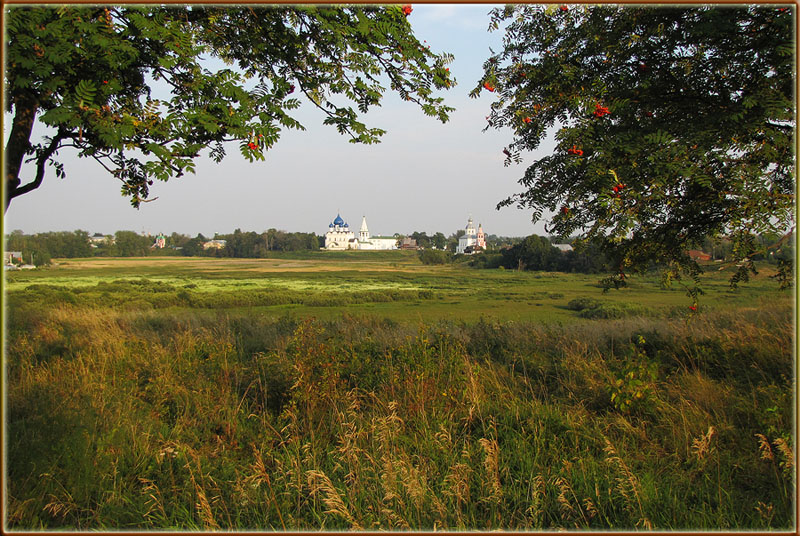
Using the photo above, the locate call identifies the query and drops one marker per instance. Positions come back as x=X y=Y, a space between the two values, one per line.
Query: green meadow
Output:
x=392 y=285
x=365 y=390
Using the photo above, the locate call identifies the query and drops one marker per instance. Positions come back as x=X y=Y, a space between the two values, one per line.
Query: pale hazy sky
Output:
x=423 y=176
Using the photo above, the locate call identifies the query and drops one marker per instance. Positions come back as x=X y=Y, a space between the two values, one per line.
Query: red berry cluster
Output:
x=407 y=9
x=252 y=146
x=526 y=119
x=565 y=210
x=488 y=86
x=618 y=188
x=291 y=89
x=600 y=111
x=564 y=8
x=693 y=308
x=575 y=151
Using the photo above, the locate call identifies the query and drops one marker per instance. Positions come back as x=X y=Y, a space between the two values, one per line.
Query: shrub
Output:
x=592 y=308
x=434 y=256
x=613 y=310
x=634 y=385
x=579 y=304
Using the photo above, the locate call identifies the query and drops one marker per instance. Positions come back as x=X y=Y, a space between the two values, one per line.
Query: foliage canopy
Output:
x=93 y=74
x=673 y=124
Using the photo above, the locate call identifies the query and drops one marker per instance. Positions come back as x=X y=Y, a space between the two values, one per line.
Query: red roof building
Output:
x=697 y=255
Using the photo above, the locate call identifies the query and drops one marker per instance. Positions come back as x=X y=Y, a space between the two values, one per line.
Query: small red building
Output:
x=697 y=255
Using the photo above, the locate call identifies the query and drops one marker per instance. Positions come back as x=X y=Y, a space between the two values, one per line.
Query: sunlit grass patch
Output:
x=201 y=284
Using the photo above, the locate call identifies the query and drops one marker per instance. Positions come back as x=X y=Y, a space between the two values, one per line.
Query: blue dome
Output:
x=347 y=225
x=331 y=225
x=338 y=220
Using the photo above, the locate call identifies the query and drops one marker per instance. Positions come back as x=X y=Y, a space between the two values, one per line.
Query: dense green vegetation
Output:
x=90 y=73
x=663 y=134
x=372 y=391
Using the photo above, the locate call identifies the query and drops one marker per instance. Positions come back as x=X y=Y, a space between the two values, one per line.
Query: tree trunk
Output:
x=18 y=144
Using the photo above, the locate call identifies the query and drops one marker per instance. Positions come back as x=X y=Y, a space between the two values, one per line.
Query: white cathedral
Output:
x=339 y=236
x=471 y=241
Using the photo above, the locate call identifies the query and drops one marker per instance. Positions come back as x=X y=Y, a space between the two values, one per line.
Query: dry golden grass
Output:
x=319 y=482
x=198 y=423
x=491 y=465
x=701 y=446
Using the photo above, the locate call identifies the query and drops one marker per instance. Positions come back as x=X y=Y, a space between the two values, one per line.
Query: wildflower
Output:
x=407 y=9
x=693 y=308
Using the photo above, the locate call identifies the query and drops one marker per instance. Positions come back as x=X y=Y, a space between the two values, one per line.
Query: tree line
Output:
x=537 y=253
x=40 y=248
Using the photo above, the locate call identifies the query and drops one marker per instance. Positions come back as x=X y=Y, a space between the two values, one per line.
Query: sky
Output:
x=423 y=176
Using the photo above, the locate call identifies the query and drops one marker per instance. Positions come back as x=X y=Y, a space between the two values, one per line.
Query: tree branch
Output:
x=41 y=161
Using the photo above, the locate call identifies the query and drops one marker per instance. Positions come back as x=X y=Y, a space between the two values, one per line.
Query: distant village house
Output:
x=697 y=255
x=214 y=244
x=408 y=243
x=9 y=256
x=98 y=239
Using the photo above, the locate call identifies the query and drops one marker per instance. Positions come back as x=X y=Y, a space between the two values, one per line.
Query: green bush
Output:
x=579 y=304
x=613 y=310
x=434 y=256
x=593 y=308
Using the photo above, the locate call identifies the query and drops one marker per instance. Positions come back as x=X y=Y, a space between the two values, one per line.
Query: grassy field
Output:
x=367 y=391
x=392 y=285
